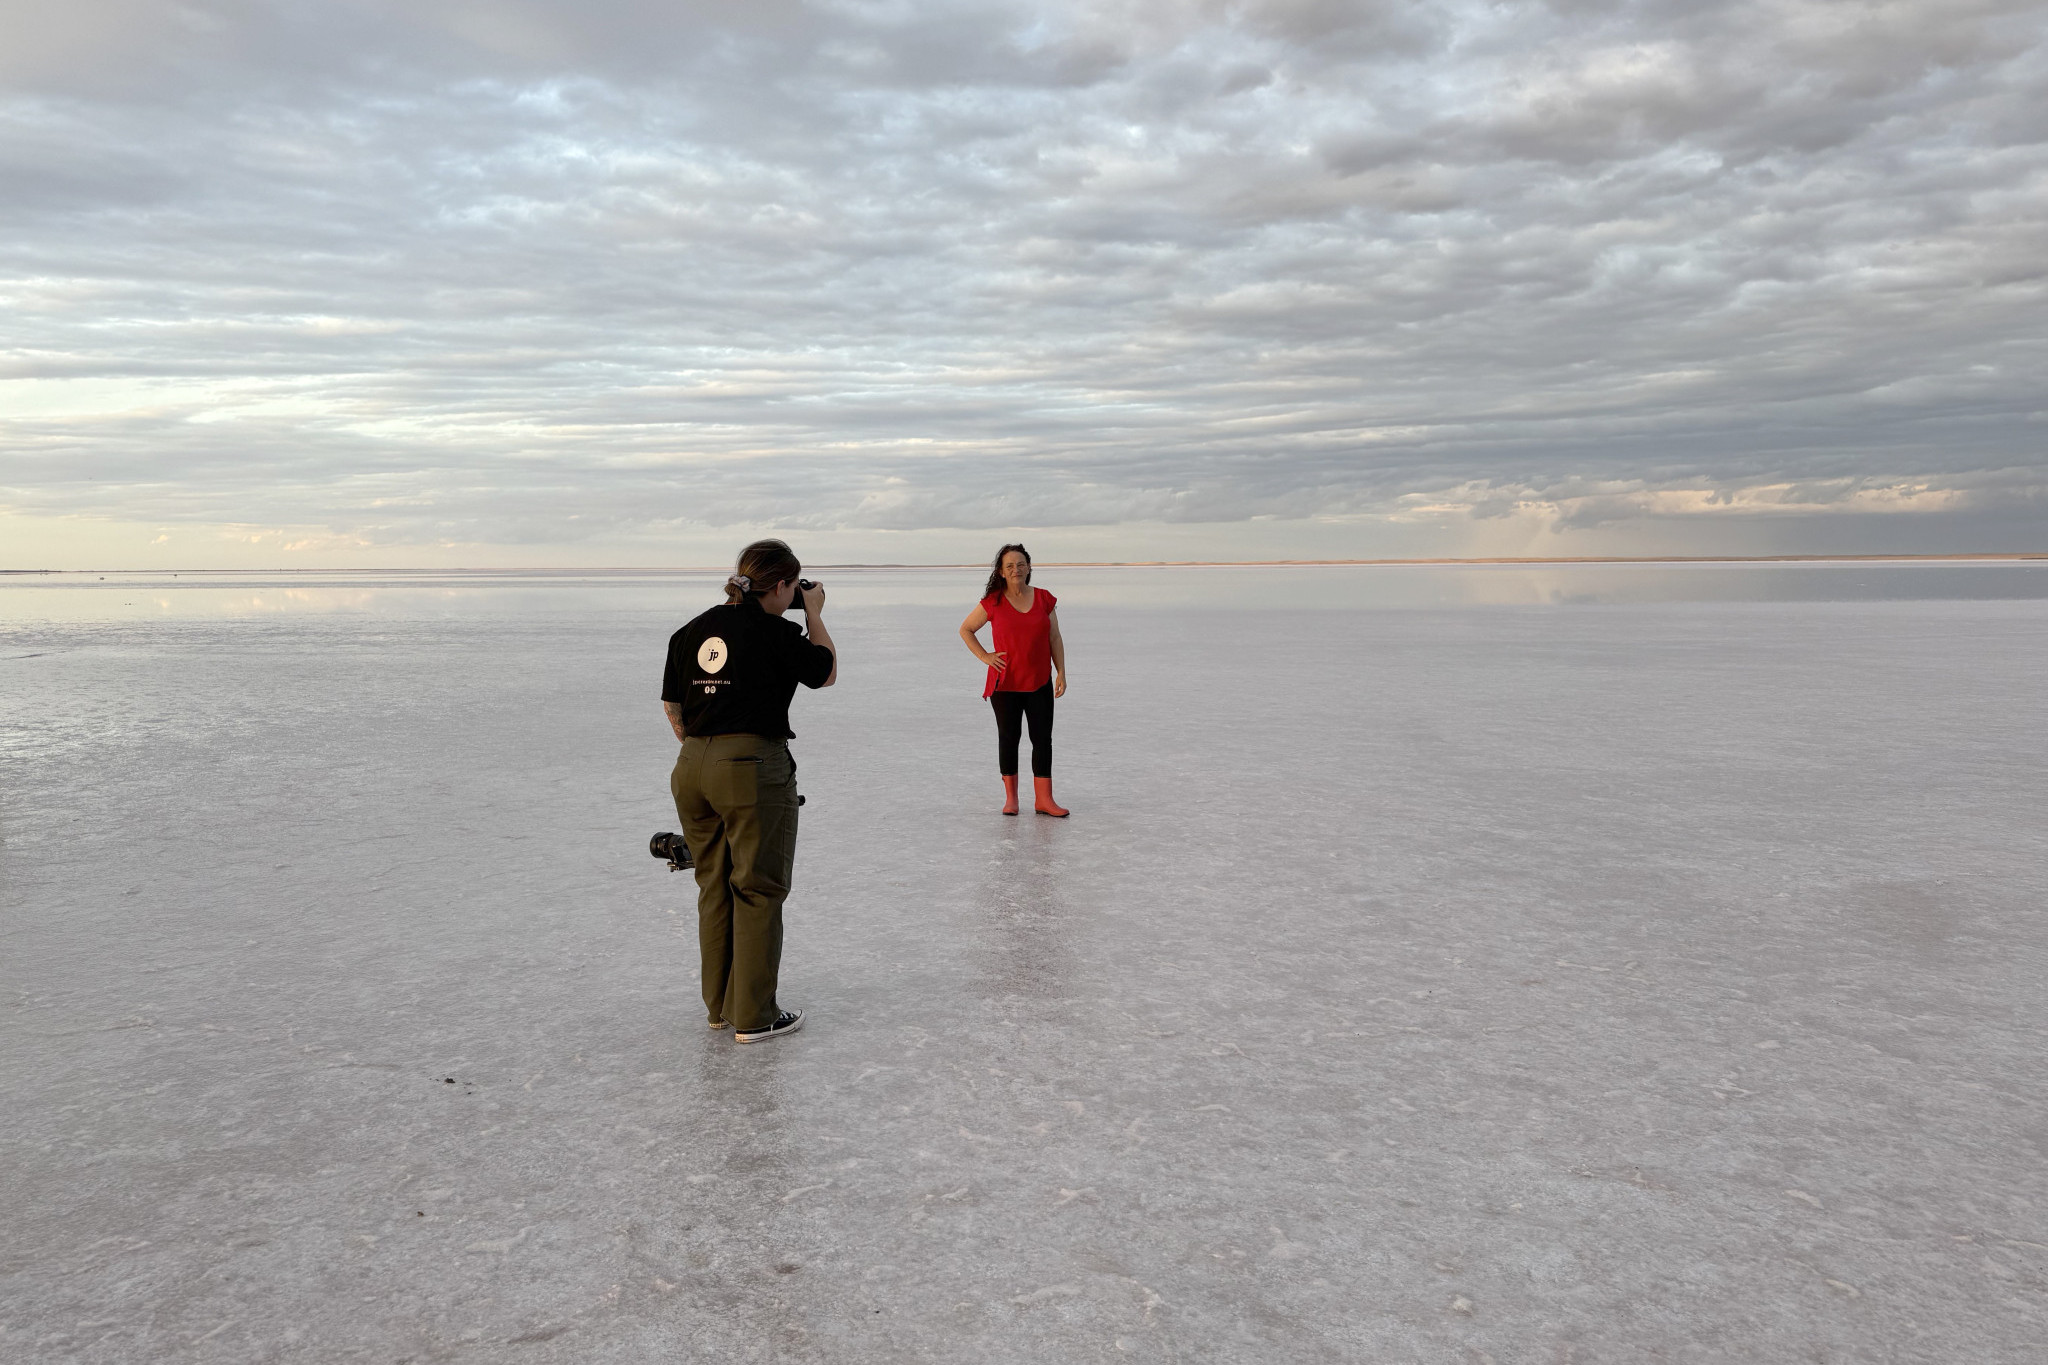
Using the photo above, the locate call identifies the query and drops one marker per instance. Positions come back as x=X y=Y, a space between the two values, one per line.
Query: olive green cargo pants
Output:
x=736 y=797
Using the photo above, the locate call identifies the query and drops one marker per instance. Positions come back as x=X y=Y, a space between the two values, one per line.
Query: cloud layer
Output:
x=545 y=273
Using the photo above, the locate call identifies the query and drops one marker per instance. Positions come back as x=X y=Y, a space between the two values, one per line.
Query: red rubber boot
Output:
x=1046 y=806
x=1009 y=793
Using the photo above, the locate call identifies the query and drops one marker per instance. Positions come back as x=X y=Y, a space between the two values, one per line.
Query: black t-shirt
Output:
x=735 y=668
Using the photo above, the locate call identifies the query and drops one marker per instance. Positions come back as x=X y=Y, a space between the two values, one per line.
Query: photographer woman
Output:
x=731 y=675
x=1026 y=670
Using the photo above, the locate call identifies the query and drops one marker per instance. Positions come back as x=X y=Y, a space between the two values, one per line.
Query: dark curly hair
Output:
x=995 y=573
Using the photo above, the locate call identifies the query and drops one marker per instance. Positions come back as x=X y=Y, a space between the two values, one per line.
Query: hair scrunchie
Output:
x=740 y=581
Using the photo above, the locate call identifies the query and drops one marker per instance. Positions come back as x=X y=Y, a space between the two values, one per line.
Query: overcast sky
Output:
x=623 y=281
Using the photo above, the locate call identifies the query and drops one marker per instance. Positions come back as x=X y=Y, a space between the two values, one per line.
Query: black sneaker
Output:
x=789 y=1021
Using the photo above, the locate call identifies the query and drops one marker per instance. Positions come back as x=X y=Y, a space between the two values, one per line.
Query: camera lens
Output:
x=671 y=849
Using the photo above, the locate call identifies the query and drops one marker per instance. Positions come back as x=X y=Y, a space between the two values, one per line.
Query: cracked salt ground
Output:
x=1421 y=977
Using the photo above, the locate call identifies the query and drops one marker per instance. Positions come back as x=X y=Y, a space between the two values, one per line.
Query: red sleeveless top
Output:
x=1024 y=639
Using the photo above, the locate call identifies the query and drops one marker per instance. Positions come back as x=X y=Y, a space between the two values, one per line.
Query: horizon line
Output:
x=1972 y=556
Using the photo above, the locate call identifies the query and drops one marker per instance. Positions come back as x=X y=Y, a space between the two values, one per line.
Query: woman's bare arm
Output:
x=1059 y=655
x=976 y=619
x=814 y=627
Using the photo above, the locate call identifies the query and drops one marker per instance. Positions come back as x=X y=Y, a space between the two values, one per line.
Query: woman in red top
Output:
x=1026 y=670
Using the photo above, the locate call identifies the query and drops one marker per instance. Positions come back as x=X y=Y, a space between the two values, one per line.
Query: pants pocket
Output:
x=737 y=780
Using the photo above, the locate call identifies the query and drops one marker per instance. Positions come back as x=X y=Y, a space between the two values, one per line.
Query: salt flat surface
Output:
x=1434 y=969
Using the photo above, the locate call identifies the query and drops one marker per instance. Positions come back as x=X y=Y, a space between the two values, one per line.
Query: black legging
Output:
x=1012 y=710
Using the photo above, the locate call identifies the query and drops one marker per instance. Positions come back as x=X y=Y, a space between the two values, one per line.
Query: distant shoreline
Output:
x=558 y=571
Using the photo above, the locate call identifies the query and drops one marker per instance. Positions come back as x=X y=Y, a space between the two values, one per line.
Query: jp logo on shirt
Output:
x=711 y=655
